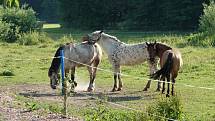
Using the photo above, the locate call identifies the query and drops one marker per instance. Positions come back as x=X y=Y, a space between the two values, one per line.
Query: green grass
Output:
x=198 y=70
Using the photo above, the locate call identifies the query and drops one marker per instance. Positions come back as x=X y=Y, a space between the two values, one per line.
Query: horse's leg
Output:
x=152 y=70
x=90 y=70
x=73 y=76
x=116 y=70
x=94 y=70
x=115 y=83
x=147 y=85
x=66 y=75
x=155 y=68
x=163 y=79
x=66 y=72
x=72 y=81
x=120 y=81
x=174 y=75
x=168 y=83
x=173 y=84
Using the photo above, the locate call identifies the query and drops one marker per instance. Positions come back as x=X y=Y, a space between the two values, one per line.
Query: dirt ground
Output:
x=10 y=113
x=44 y=93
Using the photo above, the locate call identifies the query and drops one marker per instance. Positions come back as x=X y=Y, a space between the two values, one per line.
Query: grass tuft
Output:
x=7 y=73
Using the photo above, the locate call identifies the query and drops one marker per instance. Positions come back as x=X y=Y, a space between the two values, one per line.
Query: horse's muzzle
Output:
x=53 y=86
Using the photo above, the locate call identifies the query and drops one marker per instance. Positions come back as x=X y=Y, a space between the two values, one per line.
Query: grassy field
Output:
x=198 y=70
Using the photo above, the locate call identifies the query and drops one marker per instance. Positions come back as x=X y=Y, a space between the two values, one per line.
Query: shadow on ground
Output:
x=109 y=96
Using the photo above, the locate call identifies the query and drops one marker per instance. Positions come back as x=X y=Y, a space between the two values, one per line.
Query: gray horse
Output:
x=120 y=53
x=76 y=55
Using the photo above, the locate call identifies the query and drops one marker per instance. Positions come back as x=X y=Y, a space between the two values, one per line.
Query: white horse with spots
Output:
x=120 y=53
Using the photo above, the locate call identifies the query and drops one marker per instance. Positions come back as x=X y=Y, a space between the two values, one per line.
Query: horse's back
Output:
x=81 y=53
x=176 y=60
x=131 y=54
x=177 y=54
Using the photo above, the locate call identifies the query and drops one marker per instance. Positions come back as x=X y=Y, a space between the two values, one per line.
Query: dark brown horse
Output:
x=170 y=63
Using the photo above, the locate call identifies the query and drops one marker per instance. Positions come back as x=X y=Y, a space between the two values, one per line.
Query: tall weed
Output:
x=166 y=108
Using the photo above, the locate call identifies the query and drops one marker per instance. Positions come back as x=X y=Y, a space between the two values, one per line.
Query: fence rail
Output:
x=110 y=71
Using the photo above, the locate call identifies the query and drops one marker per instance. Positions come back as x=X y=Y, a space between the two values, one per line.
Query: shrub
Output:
x=10 y=3
x=14 y=21
x=201 y=39
x=206 y=35
x=207 y=20
x=166 y=107
x=34 y=38
x=8 y=34
x=7 y=73
x=24 y=18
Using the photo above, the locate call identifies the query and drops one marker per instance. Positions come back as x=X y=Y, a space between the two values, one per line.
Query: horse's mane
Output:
x=56 y=61
x=112 y=37
x=163 y=45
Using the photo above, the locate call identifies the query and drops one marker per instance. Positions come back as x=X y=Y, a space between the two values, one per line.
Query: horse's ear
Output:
x=101 y=32
x=147 y=43
x=155 y=45
x=85 y=38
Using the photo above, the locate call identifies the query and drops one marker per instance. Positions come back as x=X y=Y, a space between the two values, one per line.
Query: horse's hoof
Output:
x=90 y=89
x=167 y=95
x=119 y=89
x=75 y=83
x=173 y=94
x=163 y=91
x=113 y=90
x=71 y=93
x=145 y=89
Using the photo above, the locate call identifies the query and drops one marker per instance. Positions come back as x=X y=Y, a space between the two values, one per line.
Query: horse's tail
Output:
x=55 y=65
x=165 y=70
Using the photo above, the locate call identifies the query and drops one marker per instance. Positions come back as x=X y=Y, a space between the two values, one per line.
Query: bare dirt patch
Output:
x=43 y=93
x=10 y=113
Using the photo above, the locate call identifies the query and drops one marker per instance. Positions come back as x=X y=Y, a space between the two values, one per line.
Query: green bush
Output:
x=206 y=35
x=34 y=38
x=201 y=39
x=207 y=20
x=7 y=73
x=24 y=18
x=15 y=21
x=10 y=3
x=170 y=108
x=8 y=34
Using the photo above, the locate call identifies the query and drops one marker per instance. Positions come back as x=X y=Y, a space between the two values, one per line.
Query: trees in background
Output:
x=206 y=34
x=121 y=14
x=131 y=14
x=93 y=13
x=207 y=20
x=47 y=10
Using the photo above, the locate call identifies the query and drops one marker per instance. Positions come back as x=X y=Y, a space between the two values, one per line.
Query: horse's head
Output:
x=152 y=50
x=54 y=69
x=95 y=36
x=54 y=78
x=86 y=39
